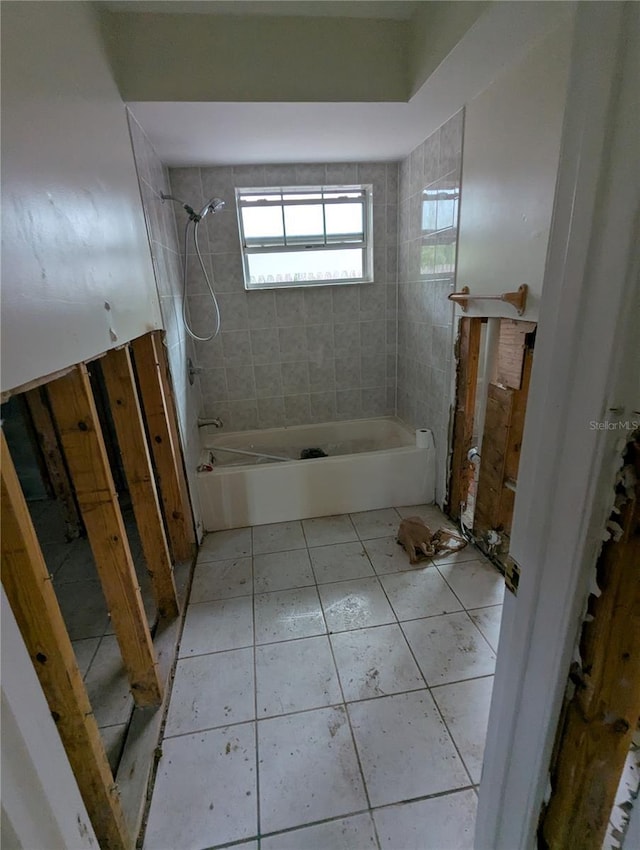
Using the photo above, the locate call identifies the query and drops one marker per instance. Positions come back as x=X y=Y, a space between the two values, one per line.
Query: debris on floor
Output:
x=420 y=542
x=307 y=454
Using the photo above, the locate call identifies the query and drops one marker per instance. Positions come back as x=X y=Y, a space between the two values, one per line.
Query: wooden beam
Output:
x=117 y=370
x=467 y=355
x=33 y=601
x=603 y=714
x=35 y=401
x=81 y=437
x=158 y=412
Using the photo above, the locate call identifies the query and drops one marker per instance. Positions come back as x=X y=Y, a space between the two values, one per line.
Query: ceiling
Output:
x=244 y=133
x=399 y=10
x=228 y=133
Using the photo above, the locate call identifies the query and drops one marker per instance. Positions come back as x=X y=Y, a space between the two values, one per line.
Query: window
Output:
x=305 y=236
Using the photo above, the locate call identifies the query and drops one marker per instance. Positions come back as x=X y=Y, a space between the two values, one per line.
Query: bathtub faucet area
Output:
x=217 y=422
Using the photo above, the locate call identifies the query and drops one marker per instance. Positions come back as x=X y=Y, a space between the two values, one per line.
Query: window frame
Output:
x=295 y=245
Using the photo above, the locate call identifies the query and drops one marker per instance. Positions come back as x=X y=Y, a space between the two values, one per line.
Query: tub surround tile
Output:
x=210 y=691
x=355 y=604
x=405 y=749
x=296 y=675
x=309 y=769
x=190 y=813
x=340 y=562
x=282 y=571
x=323 y=531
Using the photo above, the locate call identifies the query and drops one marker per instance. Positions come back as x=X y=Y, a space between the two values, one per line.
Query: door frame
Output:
x=585 y=371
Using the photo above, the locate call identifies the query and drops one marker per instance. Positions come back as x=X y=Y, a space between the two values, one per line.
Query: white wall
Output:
x=41 y=804
x=73 y=229
x=511 y=151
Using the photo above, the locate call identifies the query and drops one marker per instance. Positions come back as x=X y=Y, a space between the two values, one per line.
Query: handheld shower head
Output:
x=214 y=205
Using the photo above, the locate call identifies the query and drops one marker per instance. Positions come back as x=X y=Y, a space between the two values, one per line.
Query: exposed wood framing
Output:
x=33 y=601
x=36 y=447
x=81 y=437
x=159 y=414
x=38 y=408
x=467 y=355
x=117 y=370
x=604 y=711
x=491 y=480
x=501 y=445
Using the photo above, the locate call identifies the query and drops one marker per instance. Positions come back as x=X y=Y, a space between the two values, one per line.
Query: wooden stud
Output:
x=57 y=470
x=467 y=354
x=117 y=370
x=601 y=718
x=157 y=406
x=81 y=437
x=30 y=593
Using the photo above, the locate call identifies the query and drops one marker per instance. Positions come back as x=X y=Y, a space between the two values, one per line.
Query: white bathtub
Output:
x=372 y=463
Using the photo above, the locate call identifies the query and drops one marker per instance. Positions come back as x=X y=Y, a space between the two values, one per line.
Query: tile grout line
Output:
x=466 y=611
x=255 y=695
x=357 y=813
x=353 y=737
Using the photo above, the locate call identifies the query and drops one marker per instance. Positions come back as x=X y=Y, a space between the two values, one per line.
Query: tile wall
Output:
x=153 y=179
x=429 y=193
x=293 y=356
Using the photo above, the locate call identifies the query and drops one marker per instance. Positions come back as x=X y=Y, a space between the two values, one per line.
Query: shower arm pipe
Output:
x=250 y=454
x=517 y=299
